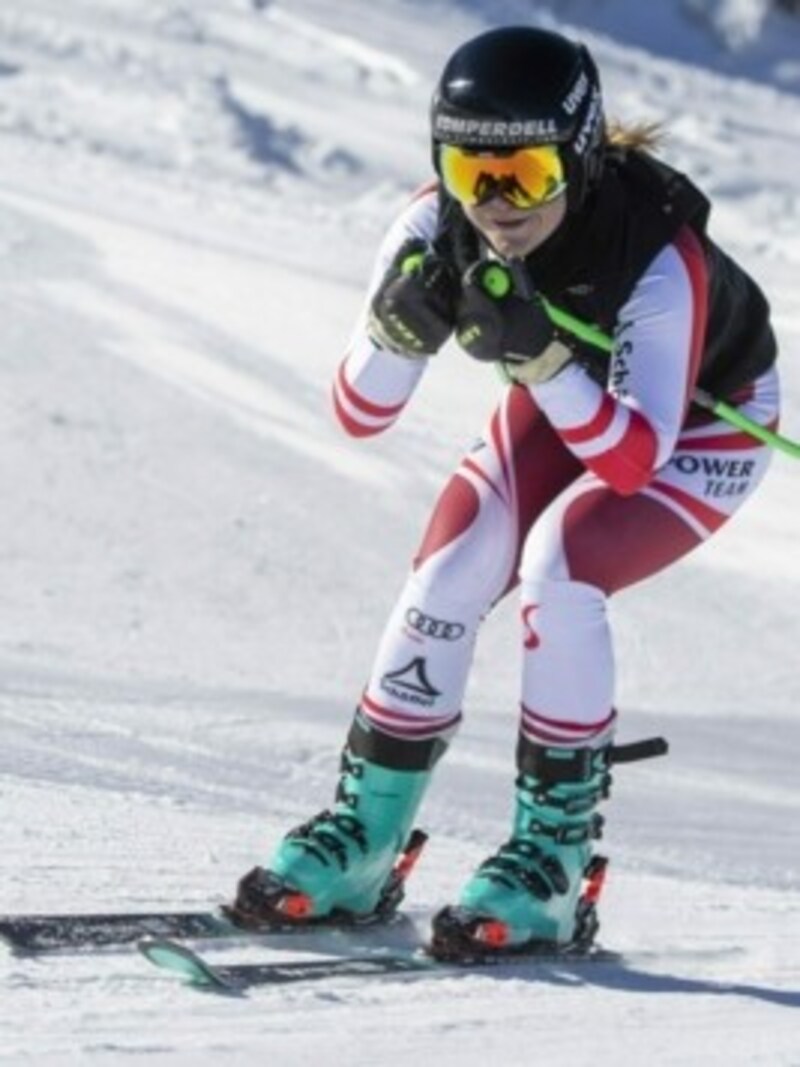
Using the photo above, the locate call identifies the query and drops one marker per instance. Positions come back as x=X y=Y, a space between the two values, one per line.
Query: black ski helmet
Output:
x=521 y=85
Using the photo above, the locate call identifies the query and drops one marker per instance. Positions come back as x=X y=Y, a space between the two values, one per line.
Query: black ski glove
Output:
x=496 y=324
x=413 y=311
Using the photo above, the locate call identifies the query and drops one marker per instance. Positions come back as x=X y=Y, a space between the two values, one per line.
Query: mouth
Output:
x=508 y=224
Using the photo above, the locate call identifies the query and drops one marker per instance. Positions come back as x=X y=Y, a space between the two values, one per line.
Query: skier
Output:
x=594 y=472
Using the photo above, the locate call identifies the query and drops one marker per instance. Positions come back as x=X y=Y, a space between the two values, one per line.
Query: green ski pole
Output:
x=593 y=336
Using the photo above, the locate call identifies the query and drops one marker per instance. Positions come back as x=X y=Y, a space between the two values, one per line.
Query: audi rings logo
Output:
x=439 y=629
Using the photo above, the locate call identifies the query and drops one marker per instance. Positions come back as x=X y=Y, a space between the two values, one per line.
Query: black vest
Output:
x=590 y=266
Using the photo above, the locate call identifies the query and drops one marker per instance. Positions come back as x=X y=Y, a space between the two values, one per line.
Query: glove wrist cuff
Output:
x=543 y=367
x=382 y=340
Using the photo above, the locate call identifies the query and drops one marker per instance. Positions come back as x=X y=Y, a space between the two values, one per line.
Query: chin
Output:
x=510 y=246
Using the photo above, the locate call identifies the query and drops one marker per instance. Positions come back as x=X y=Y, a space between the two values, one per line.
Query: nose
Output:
x=500 y=207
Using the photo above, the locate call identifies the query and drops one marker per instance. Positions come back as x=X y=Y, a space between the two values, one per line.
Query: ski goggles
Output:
x=525 y=177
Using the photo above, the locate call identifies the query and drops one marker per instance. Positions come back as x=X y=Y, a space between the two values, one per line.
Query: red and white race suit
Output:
x=573 y=493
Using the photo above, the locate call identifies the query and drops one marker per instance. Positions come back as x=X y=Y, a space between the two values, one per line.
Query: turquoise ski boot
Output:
x=531 y=896
x=348 y=864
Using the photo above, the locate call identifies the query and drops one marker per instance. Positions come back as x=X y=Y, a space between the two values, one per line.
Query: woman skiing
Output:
x=595 y=472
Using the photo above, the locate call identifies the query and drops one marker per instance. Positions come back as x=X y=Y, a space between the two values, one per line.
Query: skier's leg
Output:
x=588 y=545
x=412 y=702
x=468 y=559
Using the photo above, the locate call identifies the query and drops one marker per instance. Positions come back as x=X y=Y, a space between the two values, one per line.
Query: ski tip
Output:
x=180 y=960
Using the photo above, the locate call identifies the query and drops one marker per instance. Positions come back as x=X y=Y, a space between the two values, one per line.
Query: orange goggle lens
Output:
x=526 y=178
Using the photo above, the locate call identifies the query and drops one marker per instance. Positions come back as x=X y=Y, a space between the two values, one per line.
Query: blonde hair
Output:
x=646 y=135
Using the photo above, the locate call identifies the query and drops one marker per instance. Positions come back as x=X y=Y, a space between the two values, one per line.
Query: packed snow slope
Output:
x=195 y=563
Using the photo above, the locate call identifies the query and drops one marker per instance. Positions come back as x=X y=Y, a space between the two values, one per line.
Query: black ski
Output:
x=237 y=978
x=455 y=947
x=52 y=933
x=36 y=934
x=29 y=934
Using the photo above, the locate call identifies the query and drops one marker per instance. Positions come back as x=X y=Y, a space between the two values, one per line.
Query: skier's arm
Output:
x=373 y=383
x=626 y=433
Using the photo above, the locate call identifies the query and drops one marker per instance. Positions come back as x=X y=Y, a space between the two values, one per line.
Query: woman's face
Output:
x=513 y=232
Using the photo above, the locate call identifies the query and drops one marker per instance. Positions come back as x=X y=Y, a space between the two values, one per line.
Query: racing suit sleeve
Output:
x=626 y=432
x=373 y=385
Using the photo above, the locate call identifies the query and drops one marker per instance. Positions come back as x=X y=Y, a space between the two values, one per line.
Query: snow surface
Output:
x=195 y=563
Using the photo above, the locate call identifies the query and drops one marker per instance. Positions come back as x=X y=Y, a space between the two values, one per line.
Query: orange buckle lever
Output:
x=595 y=880
x=492 y=932
x=408 y=858
x=295 y=905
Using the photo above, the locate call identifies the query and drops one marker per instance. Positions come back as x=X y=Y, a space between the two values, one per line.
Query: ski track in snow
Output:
x=196 y=563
